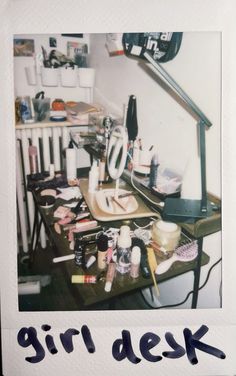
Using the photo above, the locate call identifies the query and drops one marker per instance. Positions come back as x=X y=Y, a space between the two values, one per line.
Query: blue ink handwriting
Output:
x=122 y=348
x=28 y=337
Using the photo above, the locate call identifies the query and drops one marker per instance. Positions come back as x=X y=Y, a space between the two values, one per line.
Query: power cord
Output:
x=137 y=189
x=189 y=293
x=155 y=203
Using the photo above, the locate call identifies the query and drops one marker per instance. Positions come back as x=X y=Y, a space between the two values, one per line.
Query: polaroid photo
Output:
x=118 y=189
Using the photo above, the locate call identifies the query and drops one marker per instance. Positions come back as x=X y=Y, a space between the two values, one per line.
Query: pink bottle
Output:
x=33 y=160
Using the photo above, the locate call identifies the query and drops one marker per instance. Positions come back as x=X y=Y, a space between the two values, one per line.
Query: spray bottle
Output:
x=123 y=250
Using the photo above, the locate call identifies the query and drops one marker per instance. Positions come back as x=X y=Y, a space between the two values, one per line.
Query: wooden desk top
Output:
x=200 y=228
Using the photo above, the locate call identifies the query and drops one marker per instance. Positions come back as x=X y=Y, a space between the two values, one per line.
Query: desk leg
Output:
x=35 y=233
x=197 y=272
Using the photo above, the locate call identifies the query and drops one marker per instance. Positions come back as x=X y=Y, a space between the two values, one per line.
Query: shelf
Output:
x=48 y=124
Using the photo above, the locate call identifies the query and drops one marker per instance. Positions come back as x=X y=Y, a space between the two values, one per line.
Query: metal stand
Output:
x=35 y=234
x=197 y=273
x=179 y=209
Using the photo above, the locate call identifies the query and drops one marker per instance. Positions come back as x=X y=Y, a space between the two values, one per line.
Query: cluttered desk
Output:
x=104 y=260
x=109 y=234
x=123 y=225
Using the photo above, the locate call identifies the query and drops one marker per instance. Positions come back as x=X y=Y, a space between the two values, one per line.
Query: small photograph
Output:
x=23 y=47
x=52 y=42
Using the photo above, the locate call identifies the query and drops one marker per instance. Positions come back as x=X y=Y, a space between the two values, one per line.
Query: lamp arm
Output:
x=202 y=145
x=173 y=84
x=203 y=121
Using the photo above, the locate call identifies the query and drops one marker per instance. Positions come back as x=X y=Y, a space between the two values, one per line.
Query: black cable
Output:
x=189 y=293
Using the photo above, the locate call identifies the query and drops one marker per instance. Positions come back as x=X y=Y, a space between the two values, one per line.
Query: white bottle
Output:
x=123 y=250
x=71 y=170
x=93 y=178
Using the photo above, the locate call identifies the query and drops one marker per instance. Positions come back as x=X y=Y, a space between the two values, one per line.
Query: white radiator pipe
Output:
x=25 y=147
x=56 y=148
x=20 y=199
x=46 y=148
x=34 y=134
x=65 y=137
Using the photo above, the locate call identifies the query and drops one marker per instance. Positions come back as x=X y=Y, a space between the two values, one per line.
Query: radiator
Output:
x=50 y=142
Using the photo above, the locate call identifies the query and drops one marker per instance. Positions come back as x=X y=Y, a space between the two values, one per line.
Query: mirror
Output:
x=117 y=151
x=116 y=201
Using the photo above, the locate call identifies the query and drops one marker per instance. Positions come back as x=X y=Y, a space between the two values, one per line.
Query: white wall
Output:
x=22 y=88
x=161 y=120
x=164 y=123
x=21 y=84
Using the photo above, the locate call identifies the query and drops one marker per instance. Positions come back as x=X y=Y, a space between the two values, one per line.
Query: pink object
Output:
x=184 y=253
x=33 y=159
x=109 y=255
x=65 y=221
x=61 y=212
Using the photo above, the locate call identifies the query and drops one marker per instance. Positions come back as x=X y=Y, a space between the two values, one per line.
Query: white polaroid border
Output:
x=54 y=16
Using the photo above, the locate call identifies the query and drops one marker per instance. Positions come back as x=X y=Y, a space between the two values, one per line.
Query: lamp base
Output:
x=183 y=210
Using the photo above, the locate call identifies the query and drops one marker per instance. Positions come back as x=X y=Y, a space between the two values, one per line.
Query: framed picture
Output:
x=23 y=47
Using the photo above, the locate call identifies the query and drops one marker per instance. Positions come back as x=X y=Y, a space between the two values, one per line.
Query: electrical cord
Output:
x=147 y=225
x=137 y=189
x=189 y=293
x=155 y=203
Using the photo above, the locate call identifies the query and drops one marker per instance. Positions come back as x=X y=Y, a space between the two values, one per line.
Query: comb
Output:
x=184 y=253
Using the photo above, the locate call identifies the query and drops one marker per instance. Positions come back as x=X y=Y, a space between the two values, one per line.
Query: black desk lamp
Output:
x=177 y=209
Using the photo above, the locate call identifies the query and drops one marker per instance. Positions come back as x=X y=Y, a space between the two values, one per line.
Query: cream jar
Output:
x=166 y=234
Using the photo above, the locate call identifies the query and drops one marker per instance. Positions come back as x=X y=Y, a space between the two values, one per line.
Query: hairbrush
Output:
x=184 y=253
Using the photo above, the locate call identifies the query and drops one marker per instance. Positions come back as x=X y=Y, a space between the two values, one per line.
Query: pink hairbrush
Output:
x=184 y=253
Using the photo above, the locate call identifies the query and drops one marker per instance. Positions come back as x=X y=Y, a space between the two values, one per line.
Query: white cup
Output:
x=31 y=77
x=86 y=77
x=145 y=157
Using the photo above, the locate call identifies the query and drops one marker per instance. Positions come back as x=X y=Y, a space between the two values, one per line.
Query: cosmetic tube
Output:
x=83 y=278
x=90 y=261
x=110 y=276
x=63 y=258
x=135 y=262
